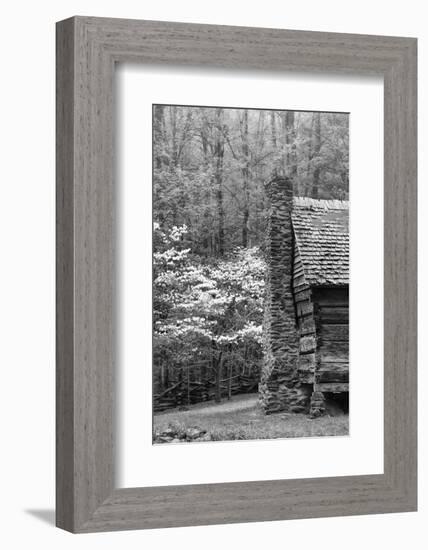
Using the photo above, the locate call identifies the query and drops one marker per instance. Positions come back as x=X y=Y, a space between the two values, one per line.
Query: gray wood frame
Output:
x=87 y=50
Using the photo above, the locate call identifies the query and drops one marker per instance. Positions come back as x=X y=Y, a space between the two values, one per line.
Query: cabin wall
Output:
x=331 y=312
x=322 y=316
x=305 y=321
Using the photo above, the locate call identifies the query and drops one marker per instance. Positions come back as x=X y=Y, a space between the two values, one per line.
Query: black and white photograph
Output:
x=189 y=190
x=250 y=274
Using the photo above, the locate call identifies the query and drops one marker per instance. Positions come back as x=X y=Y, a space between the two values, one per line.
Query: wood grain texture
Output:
x=64 y=277
x=87 y=49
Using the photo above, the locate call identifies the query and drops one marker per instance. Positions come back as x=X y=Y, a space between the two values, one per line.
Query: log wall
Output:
x=332 y=319
x=305 y=322
x=323 y=325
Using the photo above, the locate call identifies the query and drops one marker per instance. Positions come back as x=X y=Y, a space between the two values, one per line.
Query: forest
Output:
x=209 y=209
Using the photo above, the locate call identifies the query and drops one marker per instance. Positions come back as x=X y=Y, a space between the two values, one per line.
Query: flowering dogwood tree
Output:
x=205 y=309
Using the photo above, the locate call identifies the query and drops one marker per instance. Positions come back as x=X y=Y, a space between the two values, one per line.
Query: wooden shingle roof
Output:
x=321 y=228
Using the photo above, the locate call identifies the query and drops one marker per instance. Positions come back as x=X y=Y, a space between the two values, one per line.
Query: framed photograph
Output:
x=236 y=274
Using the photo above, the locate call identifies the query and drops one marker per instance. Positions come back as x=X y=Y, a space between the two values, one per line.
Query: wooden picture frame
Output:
x=87 y=50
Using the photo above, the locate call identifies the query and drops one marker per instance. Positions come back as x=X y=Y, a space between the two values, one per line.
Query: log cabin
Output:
x=306 y=325
x=320 y=289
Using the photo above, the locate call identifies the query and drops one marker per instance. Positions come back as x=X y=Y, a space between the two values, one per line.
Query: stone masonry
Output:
x=280 y=389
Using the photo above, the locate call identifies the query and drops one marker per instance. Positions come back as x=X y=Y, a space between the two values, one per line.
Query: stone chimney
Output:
x=279 y=388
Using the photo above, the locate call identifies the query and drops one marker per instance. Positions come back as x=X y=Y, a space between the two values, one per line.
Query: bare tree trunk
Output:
x=310 y=157
x=273 y=139
x=317 y=149
x=174 y=135
x=245 y=178
x=219 y=370
x=283 y=143
x=273 y=128
x=158 y=134
x=291 y=144
x=188 y=384
x=230 y=372
x=220 y=213
x=219 y=156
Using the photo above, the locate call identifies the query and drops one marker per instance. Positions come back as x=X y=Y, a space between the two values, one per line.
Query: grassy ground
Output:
x=242 y=418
